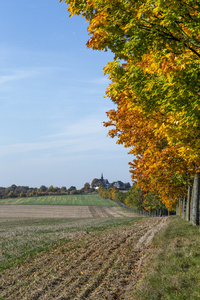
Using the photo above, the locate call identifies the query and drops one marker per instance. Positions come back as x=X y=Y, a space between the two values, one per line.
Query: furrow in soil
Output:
x=104 y=265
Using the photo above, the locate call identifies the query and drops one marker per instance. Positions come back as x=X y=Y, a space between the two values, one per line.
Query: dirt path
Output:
x=103 y=265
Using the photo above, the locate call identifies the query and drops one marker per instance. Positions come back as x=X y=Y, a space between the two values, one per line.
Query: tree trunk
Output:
x=195 y=199
x=177 y=210
x=191 y=203
x=188 y=203
x=180 y=206
x=183 y=213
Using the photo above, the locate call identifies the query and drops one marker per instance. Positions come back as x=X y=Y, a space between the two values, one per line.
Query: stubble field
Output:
x=72 y=252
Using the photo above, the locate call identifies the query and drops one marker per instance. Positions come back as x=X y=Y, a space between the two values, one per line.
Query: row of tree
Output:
x=134 y=197
x=155 y=86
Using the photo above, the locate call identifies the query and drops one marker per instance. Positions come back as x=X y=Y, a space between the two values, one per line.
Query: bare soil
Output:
x=60 y=211
x=95 y=265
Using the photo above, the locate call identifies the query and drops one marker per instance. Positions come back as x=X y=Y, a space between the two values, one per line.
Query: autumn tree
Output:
x=95 y=183
x=107 y=193
x=86 y=186
x=154 y=78
x=135 y=197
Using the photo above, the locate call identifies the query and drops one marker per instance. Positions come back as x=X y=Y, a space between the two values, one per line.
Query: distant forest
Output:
x=15 y=191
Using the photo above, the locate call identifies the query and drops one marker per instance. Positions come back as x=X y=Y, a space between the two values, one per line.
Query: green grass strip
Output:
x=83 y=200
x=174 y=273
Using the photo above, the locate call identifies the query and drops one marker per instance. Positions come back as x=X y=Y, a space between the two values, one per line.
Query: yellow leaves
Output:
x=147 y=64
x=100 y=18
x=152 y=64
x=90 y=3
x=148 y=208
x=72 y=8
x=97 y=40
x=139 y=14
x=187 y=31
x=156 y=9
x=153 y=87
x=167 y=64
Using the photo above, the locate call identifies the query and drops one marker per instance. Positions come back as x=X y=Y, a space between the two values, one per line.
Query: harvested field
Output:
x=57 y=211
x=97 y=258
x=28 y=229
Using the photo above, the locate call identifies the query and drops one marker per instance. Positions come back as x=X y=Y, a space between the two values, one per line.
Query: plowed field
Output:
x=89 y=265
x=58 y=211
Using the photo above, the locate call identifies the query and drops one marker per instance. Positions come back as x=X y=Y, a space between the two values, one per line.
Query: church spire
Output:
x=102 y=177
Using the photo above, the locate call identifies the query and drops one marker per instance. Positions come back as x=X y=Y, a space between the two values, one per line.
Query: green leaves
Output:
x=154 y=82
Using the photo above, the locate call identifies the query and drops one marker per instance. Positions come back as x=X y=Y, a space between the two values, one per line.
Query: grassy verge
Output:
x=174 y=270
x=23 y=239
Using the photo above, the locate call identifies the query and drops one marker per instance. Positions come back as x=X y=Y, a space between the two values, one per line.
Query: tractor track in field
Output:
x=59 y=211
x=103 y=265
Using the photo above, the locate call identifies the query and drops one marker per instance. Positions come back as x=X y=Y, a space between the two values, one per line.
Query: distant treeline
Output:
x=24 y=191
x=15 y=191
x=134 y=197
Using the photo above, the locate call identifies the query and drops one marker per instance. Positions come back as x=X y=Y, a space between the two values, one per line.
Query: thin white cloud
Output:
x=69 y=145
x=80 y=128
x=86 y=135
x=16 y=75
x=26 y=147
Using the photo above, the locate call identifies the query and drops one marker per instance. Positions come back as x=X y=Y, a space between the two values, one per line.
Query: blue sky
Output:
x=51 y=100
